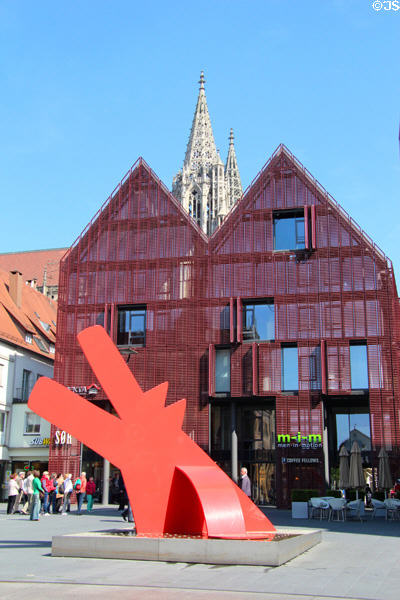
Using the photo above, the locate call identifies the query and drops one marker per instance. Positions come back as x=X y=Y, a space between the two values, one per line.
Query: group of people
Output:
x=33 y=494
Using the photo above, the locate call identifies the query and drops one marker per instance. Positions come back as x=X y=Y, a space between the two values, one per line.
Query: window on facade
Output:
x=45 y=326
x=1 y=374
x=41 y=345
x=2 y=421
x=222 y=370
x=289 y=230
x=359 y=366
x=289 y=368
x=258 y=321
x=28 y=338
x=353 y=427
x=131 y=326
x=52 y=348
x=32 y=423
x=26 y=375
x=220 y=428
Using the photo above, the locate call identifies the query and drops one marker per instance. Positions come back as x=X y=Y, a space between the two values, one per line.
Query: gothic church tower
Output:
x=207 y=189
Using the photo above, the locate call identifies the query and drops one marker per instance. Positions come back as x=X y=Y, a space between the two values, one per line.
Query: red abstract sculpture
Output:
x=173 y=486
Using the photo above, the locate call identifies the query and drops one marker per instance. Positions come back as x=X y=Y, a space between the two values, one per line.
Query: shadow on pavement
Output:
x=24 y=544
x=377 y=526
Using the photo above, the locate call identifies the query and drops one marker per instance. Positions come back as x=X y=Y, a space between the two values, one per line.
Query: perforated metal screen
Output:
x=143 y=249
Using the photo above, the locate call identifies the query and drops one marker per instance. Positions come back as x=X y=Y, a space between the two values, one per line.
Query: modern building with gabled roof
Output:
x=282 y=322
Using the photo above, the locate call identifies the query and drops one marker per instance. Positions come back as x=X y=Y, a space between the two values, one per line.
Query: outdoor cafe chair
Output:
x=356 y=509
x=379 y=508
x=338 y=508
x=392 y=508
x=319 y=505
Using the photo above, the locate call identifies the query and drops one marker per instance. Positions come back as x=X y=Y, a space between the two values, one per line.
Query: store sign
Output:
x=62 y=438
x=39 y=441
x=298 y=460
x=85 y=390
x=310 y=441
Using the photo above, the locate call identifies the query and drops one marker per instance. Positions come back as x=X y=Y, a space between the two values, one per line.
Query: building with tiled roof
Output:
x=27 y=347
x=39 y=268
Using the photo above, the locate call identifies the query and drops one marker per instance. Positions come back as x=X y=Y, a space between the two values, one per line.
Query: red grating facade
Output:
x=262 y=341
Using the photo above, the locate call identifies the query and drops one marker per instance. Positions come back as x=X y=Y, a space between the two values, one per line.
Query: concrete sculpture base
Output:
x=106 y=544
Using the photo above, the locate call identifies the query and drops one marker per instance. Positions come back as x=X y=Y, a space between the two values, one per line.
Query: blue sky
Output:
x=88 y=87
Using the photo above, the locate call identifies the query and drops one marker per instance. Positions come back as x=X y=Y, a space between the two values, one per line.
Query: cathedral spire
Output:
x=202 y=80
x=232 y=176
x=201 y=149
x=205 y=189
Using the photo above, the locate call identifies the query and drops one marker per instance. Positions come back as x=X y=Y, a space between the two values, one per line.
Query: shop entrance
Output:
x=253 y=426
x=256 y=450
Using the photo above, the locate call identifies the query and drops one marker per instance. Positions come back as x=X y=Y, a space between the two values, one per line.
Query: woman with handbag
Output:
x=13 y=491
x=38 y=492
x=59 y=492
x=67 y=483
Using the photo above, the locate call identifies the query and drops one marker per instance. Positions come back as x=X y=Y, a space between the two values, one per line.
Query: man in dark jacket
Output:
x=245 y=483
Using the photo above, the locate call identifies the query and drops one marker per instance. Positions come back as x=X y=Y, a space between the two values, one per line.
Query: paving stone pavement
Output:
x=356 y=561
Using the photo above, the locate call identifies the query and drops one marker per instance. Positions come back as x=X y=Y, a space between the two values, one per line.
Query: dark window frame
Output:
x=248 y=306
x=227 y=350
x=283 y=387
x=353 y=344
x=25 y=389
x=139 y=310
x=297 y=215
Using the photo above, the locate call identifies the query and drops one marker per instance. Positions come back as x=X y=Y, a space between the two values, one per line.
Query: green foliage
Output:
x=303 y=495
x=334 y=477
x=351 y=495
x=334 y=493
x=379 y=496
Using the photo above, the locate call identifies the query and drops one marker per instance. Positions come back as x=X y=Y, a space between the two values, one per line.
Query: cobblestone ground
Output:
x=354 y=561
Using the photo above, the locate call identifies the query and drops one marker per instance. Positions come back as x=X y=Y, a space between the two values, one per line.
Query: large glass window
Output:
x=351 y=428
x=32 y=423
x=2 y=421
x=290 y=368
x=131 y=326
x=222 y=370
x=289 y=231
x=258 y=321
x=359 y=367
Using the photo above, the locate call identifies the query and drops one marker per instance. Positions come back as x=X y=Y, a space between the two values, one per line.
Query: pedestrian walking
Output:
x=47 y=488
x=90 y=491
x=59 y=492
x=37 y=490
x=245 y=483
x=13 y=491
x=127 y=513
x=68 y=488
x=80 y=490
x=28 y=489
x=21 y=494
x=53 y=494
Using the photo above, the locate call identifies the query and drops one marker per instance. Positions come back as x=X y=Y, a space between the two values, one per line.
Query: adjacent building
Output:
x=280 y=327
x=27 y=347
x=39 y=268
